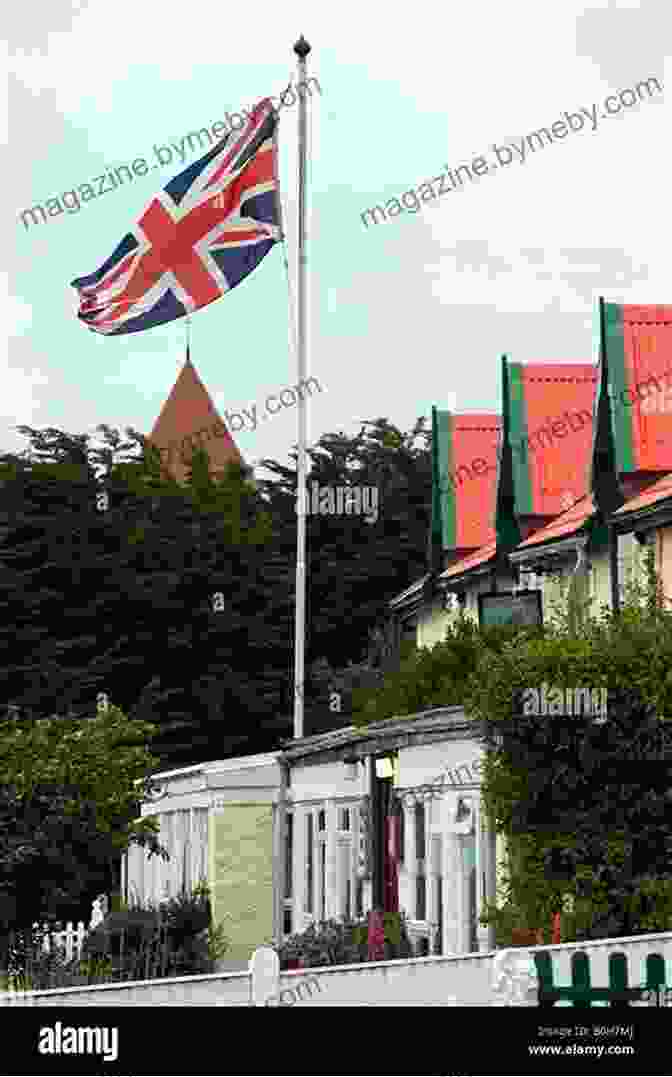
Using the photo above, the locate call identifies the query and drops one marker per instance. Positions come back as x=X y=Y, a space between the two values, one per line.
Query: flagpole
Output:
x=301 y=48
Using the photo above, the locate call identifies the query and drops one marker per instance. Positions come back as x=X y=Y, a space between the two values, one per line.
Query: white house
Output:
x=435 y=861
x=329 y=825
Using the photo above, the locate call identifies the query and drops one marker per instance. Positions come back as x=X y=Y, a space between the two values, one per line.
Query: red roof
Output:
x=659 y=491
x=640 y=368
x=552 y=414
x=472 y=480
x=481 y=557
x=565 y=524
x=187 y=418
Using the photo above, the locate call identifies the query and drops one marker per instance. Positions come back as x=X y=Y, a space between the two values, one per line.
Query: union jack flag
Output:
x=200 y=237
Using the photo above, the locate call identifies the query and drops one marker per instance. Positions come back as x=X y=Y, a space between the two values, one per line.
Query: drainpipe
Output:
x=613 y=569
x=581 y=560
x=376 y=850
x=279 y=843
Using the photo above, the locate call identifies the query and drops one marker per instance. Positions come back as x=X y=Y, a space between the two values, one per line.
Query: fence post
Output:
x=514 y=978
x=265 y=976
x=98 y=911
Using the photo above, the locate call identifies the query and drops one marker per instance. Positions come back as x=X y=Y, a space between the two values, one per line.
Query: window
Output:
x=522 y=608
x=323 y=880
x=344 y=819
x=321 y=819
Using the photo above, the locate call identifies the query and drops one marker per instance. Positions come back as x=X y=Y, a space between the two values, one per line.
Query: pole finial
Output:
x=302 y=48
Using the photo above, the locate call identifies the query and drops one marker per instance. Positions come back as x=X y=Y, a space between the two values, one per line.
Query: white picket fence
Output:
x=71 y=937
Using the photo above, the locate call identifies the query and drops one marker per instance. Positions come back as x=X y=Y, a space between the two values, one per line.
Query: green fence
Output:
x=619 y=993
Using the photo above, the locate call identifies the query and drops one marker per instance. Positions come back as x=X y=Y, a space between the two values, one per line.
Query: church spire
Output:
x=188 y=419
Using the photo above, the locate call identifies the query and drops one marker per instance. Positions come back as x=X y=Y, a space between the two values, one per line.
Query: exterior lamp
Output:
x=384 y=768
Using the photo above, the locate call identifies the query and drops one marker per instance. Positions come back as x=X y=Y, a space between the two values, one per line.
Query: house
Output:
x=647 y=519
x=218 y=824
x=464 y=481
x=329 y=826
x=564 y=488
x=390 y=817
x=543 y=456
x=631 y=454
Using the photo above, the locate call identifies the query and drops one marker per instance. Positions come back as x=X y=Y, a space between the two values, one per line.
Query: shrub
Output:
x=335 y=942
x=174 y=938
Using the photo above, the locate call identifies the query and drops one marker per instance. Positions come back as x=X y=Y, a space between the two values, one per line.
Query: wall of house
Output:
x=241 y=874
x=663 y=546
x=631 y=561
x=432 y=621
x=217 y=822
x=450 y=863
x=600 y=581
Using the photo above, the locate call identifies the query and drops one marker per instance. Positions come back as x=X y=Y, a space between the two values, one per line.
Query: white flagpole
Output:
x=301 y=48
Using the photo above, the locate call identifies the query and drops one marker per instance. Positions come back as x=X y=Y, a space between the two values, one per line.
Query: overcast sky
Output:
x=402 y=314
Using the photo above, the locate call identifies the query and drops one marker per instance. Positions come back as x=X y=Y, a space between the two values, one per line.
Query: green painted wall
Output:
x=241 y=875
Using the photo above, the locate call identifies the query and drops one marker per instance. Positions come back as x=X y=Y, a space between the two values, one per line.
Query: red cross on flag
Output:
x=198 y=238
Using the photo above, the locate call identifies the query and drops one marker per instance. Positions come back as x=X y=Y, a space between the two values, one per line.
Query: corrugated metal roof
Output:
x=639 y=350
x=480 y=557
x=659 y=491
x=472 y=479
x=414 y=589
x=565 y=524
x=551 y=434
x=187 y=413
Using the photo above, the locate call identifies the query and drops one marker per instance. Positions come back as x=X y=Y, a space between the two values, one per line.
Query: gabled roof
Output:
x=639 y=352
x=468 y=476
x=187 y=418
x=479 y=559
x=563 y=526
x=467 y=462
x=411 y=593
x=387 y=734
x=551 y=407
x=551 y=434
x=653 y=495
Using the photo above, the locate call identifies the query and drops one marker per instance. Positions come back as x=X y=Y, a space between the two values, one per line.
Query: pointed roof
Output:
x=636 y=391
x=639 y=349
x=551 y=435
x=565 y=525
x=468 y=478
x=188 y=418
x=653 y=495
x=478 y=560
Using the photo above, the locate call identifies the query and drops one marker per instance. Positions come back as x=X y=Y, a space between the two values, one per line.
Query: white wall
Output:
x=429 y=981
